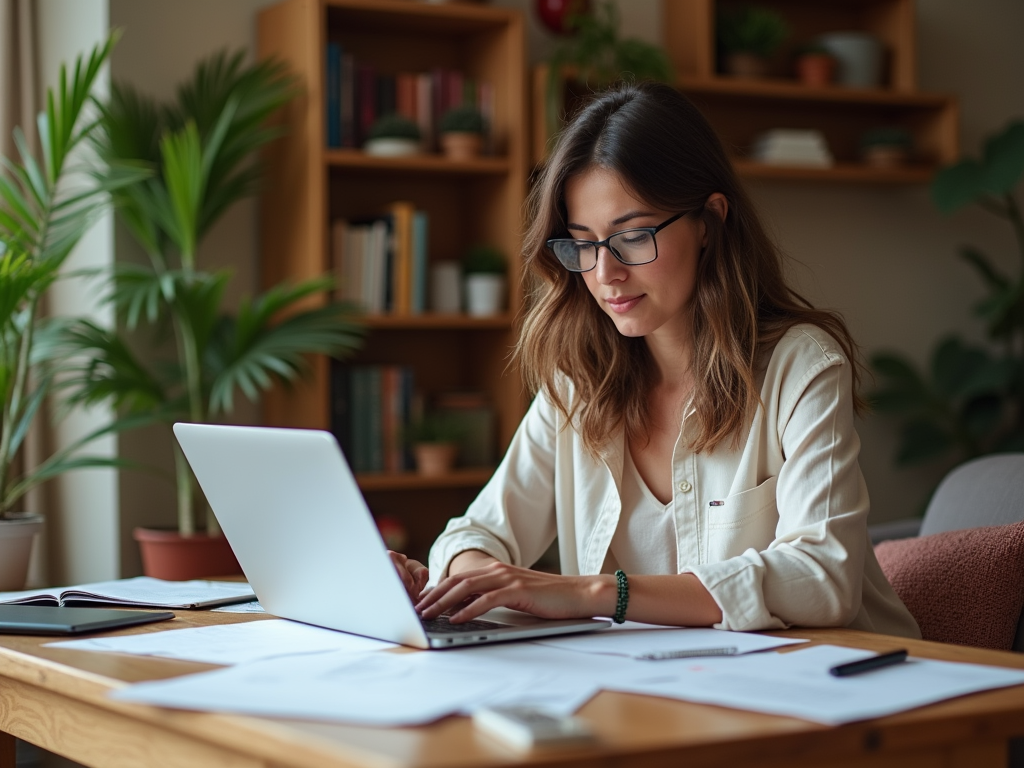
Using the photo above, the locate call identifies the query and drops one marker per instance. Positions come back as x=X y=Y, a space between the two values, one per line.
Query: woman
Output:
x=692 y=441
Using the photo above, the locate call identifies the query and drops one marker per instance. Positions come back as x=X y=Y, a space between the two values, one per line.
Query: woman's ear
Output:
x=719 y=205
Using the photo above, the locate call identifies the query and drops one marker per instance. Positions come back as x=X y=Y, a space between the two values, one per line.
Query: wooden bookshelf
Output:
x=739 y=109
x=309 y=185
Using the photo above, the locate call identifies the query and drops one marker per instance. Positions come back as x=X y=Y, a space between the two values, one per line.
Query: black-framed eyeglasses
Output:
x=632 y=247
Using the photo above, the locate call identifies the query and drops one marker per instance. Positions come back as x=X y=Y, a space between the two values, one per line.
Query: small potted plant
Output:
x=462 y=132
x=886 y=147
x=483 y=268
x=815 y=65
x=435 y=444
x=747 y=38
x=393 y=135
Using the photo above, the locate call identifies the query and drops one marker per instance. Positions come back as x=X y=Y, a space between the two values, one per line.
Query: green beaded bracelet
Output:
x=623 y=599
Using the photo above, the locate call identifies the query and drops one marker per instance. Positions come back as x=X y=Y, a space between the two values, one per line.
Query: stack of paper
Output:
x=784 y=146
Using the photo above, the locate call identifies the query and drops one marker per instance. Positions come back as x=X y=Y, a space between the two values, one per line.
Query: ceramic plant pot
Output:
x=16 y=537
x=485 y=295
x=433 y=459
x=461 y=146
x=169 y=555
x=815 y=69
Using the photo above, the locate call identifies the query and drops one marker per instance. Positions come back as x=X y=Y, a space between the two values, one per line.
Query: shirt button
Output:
x=685 y=487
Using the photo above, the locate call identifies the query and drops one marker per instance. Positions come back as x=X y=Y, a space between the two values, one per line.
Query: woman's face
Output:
x=644 y=299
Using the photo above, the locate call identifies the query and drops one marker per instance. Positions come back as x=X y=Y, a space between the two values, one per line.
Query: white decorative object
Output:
x=485 y=294
x=16 y=537
x=388 y=147
x=445 y=293
x=859 y=56
x=783 y=146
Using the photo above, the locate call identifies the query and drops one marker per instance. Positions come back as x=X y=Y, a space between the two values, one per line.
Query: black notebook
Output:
x=49 y=620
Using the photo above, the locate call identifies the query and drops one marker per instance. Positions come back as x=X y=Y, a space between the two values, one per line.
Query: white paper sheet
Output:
x=381 y=689
x=640 y=639
x=799 y=683
x=231 y=643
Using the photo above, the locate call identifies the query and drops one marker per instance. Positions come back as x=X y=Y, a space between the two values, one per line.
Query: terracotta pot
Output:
x=171 y=556
x=461 y=146
x=815 y=69
x=748 y=65
x=16 y=537
x=435 y=458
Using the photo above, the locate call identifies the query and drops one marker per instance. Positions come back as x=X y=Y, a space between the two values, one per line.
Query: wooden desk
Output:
x=57 y=699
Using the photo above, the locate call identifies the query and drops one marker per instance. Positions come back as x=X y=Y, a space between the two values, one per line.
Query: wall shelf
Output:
x=410 y=481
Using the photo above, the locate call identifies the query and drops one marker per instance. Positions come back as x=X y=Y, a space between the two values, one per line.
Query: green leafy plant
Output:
x=394 y=126
x=200 y=149
x=434 y=428
x=596 y=56
x=462 y=120
x=484 y=259
x=47 y=204
x=970 y=400
x=750 y=29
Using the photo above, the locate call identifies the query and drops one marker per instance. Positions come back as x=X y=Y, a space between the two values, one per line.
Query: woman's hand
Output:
x=542 y=594
x=412 y=573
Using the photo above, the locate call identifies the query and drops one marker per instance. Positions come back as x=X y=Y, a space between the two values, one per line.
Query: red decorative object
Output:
x=393 y=532
x=554 y=14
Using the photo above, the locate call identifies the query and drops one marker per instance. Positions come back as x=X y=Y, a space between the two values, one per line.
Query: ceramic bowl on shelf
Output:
x=392 y=147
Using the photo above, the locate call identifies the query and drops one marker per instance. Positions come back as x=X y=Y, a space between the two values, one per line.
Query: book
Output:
x=140 y=592
x=332 y=102
x=402 y=214
x=420 y=254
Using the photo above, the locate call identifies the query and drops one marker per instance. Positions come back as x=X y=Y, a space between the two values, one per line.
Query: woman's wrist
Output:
x=469 y=560
x=600 y=595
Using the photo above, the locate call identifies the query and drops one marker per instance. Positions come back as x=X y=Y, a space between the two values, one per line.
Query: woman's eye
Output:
x=637 y=238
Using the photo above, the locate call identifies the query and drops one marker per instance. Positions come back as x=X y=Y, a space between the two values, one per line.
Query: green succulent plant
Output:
x=463 y=119
x=750 y=29
x=484 y=259
x=394 y=126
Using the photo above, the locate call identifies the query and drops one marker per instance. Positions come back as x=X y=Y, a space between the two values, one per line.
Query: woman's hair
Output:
x=667 y=154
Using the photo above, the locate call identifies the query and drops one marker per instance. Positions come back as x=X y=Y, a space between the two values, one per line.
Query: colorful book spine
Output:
x=420 y=253
x=332 y=103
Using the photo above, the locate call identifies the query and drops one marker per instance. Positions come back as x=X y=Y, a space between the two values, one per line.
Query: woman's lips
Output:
x=621 y=304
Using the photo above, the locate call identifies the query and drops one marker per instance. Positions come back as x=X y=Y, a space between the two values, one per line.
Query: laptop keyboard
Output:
x=442 y=626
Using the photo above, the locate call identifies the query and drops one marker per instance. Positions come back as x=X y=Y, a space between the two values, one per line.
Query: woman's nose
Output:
x=608 y=269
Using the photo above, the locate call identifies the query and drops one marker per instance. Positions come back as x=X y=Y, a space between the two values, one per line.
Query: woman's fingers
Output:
x=412 y=573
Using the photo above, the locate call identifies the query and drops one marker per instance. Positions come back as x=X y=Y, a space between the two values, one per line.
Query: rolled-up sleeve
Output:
x=513 y=518
x=812 y=573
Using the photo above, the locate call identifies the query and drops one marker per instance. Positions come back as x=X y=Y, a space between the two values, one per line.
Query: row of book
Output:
x=375 y=407
x=357 y=94
x=371 y=411
x=380 y=263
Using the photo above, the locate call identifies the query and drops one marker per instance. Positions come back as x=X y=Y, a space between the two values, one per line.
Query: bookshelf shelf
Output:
x=410 y=481
x=739 y=109
x=310 y=187
x=351 y=159
x=429 y=322
x=841 y=172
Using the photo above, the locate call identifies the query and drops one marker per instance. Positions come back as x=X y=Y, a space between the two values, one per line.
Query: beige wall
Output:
x=881 y=255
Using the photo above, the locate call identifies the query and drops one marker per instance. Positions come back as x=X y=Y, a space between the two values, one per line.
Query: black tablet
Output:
x=50 y=620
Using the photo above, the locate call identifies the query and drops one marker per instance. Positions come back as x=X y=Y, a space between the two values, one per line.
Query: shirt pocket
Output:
x=743 y=521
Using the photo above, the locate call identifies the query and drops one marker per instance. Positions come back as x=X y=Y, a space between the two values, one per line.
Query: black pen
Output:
x=870 y=663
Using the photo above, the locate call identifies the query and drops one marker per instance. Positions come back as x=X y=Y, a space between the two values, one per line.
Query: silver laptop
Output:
x=308 y=545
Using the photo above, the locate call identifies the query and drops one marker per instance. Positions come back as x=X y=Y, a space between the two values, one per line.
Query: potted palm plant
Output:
x=46 y=205
x=201 y=149
x=462 y=132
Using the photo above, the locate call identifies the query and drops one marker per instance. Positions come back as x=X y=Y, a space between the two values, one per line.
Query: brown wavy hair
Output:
x=667 y=154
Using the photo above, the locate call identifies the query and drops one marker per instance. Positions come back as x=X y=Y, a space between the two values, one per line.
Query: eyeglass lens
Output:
x=630 y=247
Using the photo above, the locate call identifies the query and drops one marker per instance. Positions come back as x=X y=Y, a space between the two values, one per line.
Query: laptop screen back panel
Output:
x=295 y=518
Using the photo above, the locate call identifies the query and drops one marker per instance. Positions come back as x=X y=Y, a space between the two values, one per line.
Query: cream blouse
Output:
x=774 y=527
